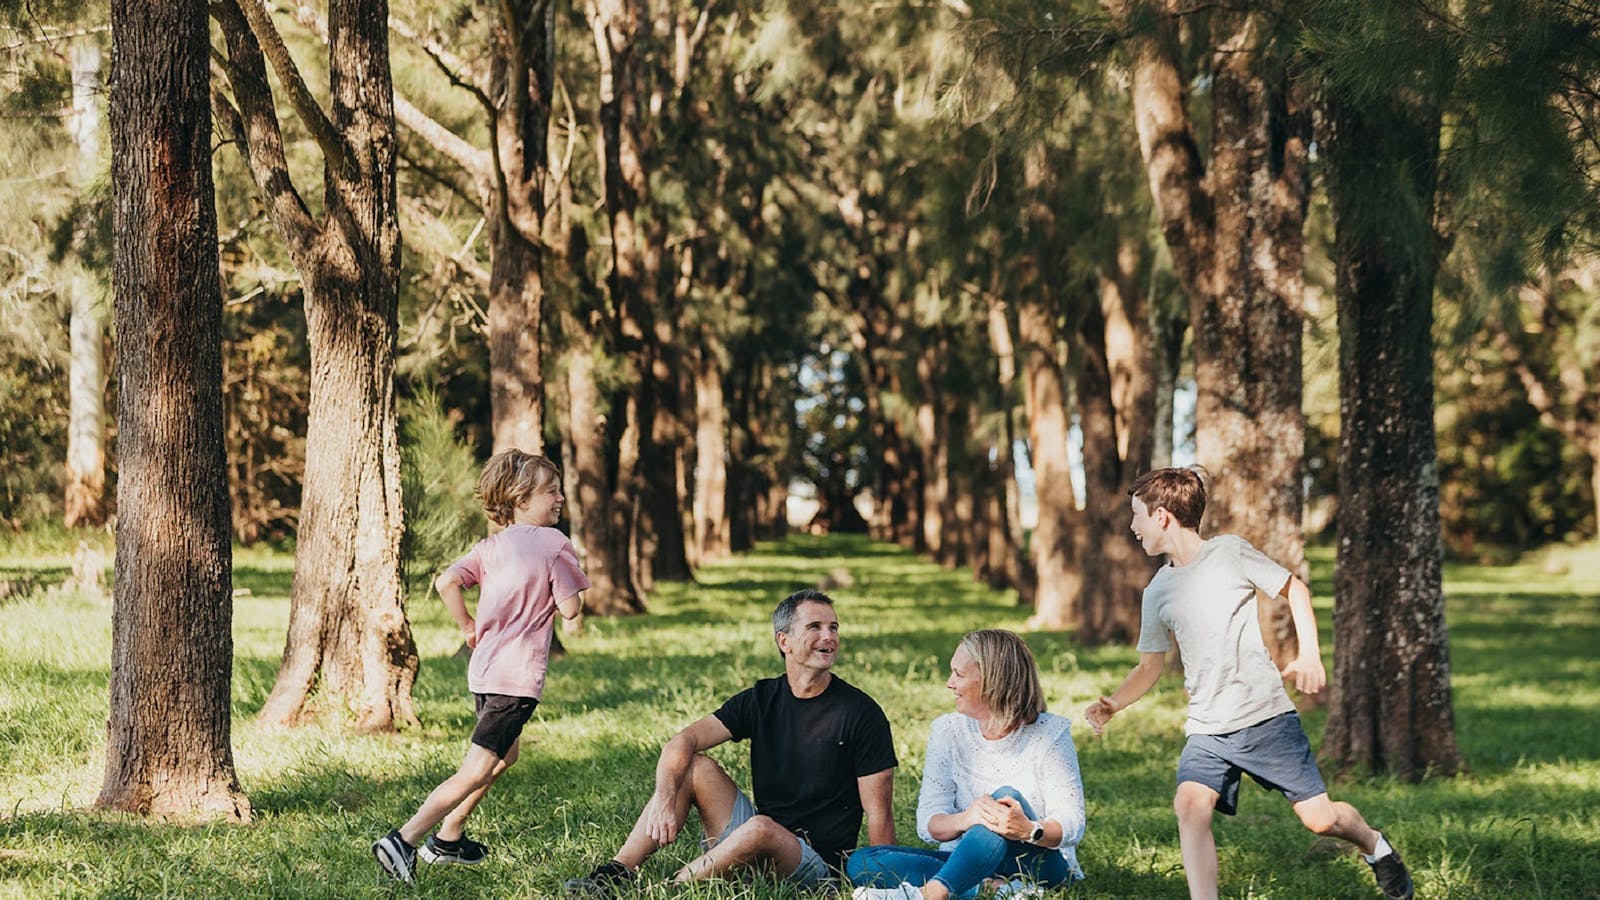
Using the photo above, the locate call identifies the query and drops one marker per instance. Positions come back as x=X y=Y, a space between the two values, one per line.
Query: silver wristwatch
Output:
x=1037 y=834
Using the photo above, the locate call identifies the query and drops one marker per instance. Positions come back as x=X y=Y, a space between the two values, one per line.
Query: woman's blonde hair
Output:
x=1008 y=678
x=509 y=478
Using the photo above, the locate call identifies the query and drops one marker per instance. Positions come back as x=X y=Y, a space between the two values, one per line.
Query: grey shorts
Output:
x=812 y=870
x=1275 y=753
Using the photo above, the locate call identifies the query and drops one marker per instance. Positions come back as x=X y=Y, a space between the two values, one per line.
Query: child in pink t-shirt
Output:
x=525 y=575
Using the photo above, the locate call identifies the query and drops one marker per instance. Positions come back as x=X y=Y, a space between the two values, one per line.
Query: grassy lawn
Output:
x=1524 y=822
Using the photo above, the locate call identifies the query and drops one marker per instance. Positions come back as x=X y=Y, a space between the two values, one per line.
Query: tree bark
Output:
x=1054 y=544
x=1010 y=567
x=711 y=456
x=86 y=389
x=1391 y=709
x=1235 y=234
x=168 y=747
x=1116 y=403
x=348 y=635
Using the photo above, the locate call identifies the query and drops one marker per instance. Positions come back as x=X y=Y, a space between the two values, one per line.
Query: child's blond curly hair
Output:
x=509 y=478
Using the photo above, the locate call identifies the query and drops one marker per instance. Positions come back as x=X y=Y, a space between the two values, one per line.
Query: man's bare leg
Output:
x=759 y=840
x=709 y=790
x=1195 y=805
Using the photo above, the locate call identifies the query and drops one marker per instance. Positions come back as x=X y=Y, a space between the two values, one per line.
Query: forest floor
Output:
x=1522 y=823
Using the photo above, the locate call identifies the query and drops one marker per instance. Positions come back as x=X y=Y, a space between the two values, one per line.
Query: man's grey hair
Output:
x=783 y=616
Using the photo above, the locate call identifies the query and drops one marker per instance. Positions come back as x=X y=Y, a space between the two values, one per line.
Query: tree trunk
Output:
x=599 y=522
x=711 y=452
x=516 y=308
x=349 y=646
x=86 y=389
x=1391 y=709
x=1235 y=235
x=521 y=77
x=1011 y=568
x=168 y=747
x=1054 y=544
x=931 y=450
x=1116 y=403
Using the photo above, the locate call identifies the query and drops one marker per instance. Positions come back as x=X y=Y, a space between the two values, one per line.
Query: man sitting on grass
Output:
x=820 y=756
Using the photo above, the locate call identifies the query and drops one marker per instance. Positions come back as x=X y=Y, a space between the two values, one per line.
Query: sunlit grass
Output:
x=1522 y=822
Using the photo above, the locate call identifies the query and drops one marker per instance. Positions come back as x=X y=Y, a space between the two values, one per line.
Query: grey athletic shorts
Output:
x=812 y=870
x=1275 y=753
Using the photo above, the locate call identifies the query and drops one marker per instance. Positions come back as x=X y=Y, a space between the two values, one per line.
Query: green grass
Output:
x=1522 y=823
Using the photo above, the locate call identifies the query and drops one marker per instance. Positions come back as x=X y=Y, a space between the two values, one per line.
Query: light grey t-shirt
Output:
x=1209 y=605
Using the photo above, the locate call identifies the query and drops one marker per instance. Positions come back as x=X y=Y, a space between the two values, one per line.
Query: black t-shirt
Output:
x=805 y=757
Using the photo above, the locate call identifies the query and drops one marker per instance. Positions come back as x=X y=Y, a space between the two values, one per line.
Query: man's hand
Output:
x=660 y=818
x=1308 y=674
x=1099 y=713
x=469 y=631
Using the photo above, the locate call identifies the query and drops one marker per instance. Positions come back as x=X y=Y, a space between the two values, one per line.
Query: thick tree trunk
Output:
x=168 y=747
x=1391 y=709
x=521 y=79
x=86 y=389
x=1054 y=544
x=599 y=521
x=349 y=646
x=516 y=308
x=1235 y=235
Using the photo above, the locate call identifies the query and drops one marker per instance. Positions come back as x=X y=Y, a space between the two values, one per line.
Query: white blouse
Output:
x=1039 y=760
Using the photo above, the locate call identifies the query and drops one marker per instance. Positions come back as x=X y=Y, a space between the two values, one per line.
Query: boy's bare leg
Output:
x=1337 y=819
x=1195 y=805
x=455 y=821
x=708 y=789
x=476 y=773
x=760 y=839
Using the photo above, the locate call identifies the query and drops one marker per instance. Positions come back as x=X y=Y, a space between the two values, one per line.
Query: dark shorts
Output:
x=1275 y=753
x=500 y=721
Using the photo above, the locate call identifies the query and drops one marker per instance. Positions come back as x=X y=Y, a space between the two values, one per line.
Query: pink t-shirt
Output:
x=522 y=573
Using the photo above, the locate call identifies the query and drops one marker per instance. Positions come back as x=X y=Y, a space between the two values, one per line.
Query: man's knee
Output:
x=1194 y=803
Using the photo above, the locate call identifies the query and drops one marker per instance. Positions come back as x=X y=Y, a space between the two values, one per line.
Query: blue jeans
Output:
x=979 y=854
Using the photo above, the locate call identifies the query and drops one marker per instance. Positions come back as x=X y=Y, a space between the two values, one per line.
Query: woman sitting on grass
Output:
x=1001 y=792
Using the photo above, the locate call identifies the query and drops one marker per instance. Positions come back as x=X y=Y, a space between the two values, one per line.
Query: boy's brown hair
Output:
x=1179 y=489
x=509 y=478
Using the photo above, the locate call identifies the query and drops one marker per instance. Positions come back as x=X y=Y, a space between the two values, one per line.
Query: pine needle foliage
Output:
x=438 y=481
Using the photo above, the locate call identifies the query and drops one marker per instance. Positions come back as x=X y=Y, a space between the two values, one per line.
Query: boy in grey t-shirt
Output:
x=1240 y=719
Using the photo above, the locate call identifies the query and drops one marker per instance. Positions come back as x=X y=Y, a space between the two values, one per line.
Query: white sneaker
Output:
x=906 y=891
x=1017 y=888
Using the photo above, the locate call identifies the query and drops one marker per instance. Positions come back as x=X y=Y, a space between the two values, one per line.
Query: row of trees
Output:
x=695 y=251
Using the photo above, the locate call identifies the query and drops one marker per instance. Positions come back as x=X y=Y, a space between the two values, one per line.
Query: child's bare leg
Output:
x=455 y=821
x=477 y=771
x=1337 y=819
x=708 y=789
x=1195 y=805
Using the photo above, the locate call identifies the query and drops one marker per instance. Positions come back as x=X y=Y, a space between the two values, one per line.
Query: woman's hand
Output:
x=1003 y=817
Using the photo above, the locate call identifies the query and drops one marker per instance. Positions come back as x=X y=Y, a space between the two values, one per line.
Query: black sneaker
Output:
x=1393 y=879
x=463 y=851
x=396 y=857
x=605 y=880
